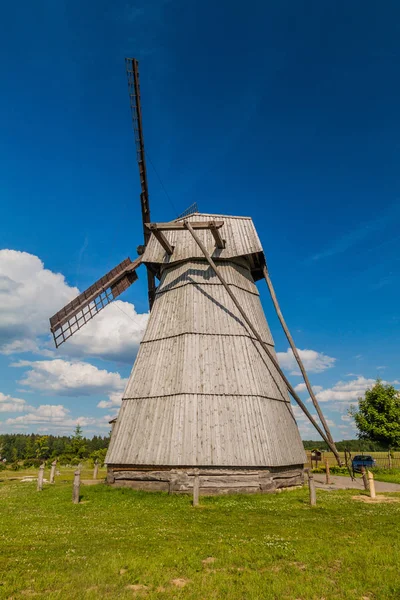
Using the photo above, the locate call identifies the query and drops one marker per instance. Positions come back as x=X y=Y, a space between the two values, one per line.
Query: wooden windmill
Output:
x=206 y=394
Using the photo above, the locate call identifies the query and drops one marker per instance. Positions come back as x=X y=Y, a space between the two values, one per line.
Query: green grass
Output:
x=388 y=475
x=258 y=547
x=66 y=473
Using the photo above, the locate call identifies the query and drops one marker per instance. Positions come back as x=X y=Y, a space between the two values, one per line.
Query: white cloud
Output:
x=115 y=399
x=30 y=294
x=10 y=404
x=301 y=387
x=346 y=392
x=67 y=378
x=57 y=417
x=114 y=334
x=314 y=362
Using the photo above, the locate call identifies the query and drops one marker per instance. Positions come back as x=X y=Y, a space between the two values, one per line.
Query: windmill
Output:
x=206 y=395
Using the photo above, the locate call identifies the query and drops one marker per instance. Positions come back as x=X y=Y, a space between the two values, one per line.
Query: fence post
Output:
x=311 y=487
x=371 y=484
x=390 y=459
x=40 y=478
x=328 y=473
x=53 y=471
x=364 y=476
x=76 y=486
x=96 y=468
x=196 y=488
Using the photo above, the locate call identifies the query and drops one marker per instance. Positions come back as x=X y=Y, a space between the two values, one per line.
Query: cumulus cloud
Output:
x=301 y=387
x=30 y=294
x=10 y=404
x=114 y=334
x=57 y=417
x=66 y=378
x=346 y=392
x=314 y=362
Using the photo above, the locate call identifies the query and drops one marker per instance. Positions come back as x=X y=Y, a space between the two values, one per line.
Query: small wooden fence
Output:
x=384 y=460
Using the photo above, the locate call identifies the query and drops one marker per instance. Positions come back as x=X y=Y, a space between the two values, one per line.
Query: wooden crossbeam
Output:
x=219 y=242
x=179 y=226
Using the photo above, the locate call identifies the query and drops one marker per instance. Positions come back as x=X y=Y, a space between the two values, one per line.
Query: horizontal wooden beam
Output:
x=180 y=226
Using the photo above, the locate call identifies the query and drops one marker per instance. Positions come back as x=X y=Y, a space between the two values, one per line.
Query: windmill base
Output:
x=213 y=480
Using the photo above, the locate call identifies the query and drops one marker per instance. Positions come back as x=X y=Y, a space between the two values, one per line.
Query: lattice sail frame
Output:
x=87 y=305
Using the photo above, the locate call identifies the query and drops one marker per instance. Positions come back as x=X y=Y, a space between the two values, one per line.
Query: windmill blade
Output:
x=88 y=304
x=132 y=71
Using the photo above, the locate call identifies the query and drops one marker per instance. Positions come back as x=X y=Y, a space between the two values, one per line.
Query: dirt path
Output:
x=345 y=483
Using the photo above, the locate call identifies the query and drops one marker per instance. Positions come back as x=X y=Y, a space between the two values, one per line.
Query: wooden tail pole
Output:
x=328 y=472
x=258 y=338
x=297 y=356
x=311 y=487
x=196 y=488
x=371 y=485
x=76 y=487
x=96 y=469
x=53 y=471
x=40 y=478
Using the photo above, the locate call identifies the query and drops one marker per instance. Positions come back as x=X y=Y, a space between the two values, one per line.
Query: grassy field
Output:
x=118 y=543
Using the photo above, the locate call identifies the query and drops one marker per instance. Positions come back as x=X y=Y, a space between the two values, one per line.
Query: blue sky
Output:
x=287 y=112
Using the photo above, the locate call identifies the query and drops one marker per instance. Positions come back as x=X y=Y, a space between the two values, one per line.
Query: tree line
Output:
x=32 y=449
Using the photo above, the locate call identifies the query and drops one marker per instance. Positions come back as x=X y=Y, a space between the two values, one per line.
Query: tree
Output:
x=42 y=446
x=78 y=443
x=378 y=415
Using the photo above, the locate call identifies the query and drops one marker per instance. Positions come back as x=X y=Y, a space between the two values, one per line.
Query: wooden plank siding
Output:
x=202 y=392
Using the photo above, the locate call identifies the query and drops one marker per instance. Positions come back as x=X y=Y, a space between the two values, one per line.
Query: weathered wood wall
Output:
x=212 y=480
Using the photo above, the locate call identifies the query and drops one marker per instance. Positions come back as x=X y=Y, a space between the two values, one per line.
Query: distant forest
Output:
x=32 y=449
x=352 y=445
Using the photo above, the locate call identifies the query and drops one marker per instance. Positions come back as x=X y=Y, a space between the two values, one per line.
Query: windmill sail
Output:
x=88 y=304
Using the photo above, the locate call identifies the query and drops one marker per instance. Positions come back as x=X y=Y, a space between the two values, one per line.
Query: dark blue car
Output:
x=362 y=461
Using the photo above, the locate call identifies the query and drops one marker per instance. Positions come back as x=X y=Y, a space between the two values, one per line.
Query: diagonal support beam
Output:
x=259 y=339
x=296 y=354
x=158 y=234
x=219 y=242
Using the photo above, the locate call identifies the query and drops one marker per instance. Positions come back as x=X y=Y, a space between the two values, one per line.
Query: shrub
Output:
x=32 y=462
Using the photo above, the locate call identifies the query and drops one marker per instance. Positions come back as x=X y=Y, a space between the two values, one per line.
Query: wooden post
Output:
x=390 y=459
x=76 y=486
x=364 y=476
x=196 y=488
x=371 y=484
x=40 y=478
x=297 y=355
x=311 y=486
x=328 y=473
x=171 y=485
x=53 y=471
x=96 y=468
x=256 y=334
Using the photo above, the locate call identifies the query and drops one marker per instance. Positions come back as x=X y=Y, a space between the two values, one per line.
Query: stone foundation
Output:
x=213 y=480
